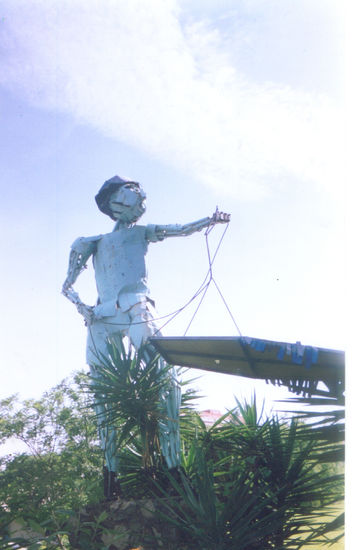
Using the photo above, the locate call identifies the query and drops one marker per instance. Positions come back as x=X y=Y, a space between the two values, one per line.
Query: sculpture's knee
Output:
x=142 y=326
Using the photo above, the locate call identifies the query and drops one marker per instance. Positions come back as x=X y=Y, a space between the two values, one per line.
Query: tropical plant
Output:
x=128 y=390
x=265 y=465
x=326 y=418
x=253 y=485
x=59 y=465
x=322 y=420
x=246 y=482
x=126 y=393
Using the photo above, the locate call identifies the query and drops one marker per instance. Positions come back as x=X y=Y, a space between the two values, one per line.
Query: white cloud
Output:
x=132 y=70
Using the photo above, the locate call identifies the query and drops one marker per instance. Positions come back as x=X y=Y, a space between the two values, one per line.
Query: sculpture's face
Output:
x=127 y=203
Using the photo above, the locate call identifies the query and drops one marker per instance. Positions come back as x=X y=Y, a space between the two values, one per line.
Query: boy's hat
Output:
x=105 y=192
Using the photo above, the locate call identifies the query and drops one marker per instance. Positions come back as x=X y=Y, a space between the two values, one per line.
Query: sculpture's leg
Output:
x=142 y=327
x=169 y=429
x=98 y=333
x=107 y=436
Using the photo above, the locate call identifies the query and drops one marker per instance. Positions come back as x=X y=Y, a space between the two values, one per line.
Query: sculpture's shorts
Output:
x=136 y=323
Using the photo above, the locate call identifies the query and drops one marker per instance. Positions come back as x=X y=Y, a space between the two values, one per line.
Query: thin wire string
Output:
x=209 y=273
x=201 y=290
x=203 y=285
x=212 y=279
x=228 y=308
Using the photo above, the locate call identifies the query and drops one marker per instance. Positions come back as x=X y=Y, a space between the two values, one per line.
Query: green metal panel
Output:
x=299 y=367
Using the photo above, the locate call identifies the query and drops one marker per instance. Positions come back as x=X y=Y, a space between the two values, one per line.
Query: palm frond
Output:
x=129 y=389
x=323 y=422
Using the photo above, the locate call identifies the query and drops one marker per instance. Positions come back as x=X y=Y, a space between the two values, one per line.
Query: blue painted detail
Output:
x=297 y=352
x=308 y=357
x=258 y=345
x=311 y=356
x=297 y=357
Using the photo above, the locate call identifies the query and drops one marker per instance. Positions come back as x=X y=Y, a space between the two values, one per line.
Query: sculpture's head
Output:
x=121 y=199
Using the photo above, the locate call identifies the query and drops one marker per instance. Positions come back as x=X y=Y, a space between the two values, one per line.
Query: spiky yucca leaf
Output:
x=323 y=421
x=241 y=522
x=127 y=387
x=286 y=491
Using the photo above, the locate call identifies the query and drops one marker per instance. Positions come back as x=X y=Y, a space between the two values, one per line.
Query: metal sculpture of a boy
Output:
x=123 y=306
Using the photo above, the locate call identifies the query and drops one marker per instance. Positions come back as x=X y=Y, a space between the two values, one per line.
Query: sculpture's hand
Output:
x=66 y=288
x=86 y=312
x=83 y=309
x=220 y=217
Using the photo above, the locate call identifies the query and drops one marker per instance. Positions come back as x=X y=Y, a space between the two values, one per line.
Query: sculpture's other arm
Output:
x=81 y=250
x=175 y=230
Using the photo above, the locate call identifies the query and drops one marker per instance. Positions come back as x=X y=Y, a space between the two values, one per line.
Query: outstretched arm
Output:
x=80 y=252
x=175 y=230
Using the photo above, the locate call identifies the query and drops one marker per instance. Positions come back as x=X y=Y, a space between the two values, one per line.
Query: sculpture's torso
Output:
x=119 y=263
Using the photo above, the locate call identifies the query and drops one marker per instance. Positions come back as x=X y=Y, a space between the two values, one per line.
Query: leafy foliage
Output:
x=247 y=482
x=62 y=467
x=129 y=391
x=253 y=485
x=323 y=423
x=126 y=393
x=325 y=416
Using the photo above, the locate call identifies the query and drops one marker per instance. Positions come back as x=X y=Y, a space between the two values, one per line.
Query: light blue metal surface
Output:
x=124 y=306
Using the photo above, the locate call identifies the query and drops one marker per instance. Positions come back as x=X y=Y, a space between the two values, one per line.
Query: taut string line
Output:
x=200 y=291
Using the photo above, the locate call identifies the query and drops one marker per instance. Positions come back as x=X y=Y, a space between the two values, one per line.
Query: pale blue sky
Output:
x=232 y=103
